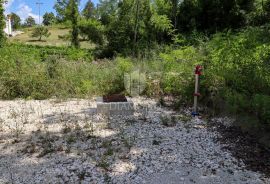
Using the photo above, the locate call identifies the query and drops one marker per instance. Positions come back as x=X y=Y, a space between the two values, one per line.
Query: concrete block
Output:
x=115 y=108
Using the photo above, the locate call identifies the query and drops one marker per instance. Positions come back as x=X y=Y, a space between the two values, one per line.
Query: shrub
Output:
x=236 y=72
x=261 y=107
x=178 y=76
x=39 y=32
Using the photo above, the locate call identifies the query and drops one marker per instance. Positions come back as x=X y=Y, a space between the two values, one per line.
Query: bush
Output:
x=261 y=107
x=236 y=72
x=39 y=32
x=35 y=53
x=178 y=71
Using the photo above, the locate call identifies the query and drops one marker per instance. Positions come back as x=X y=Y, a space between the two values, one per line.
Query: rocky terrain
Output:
x=57 y=141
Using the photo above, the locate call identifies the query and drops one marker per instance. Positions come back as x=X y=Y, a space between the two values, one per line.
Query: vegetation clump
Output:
x=39 y=32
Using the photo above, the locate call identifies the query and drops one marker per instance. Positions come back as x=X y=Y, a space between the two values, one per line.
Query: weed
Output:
x=109 y=152
x=2 y=123
x=184 y=118
x=128 y=141
x=106 y=144
x=71 y=139
x=47 y=148
x=168 y=121
x=66 y=129
x=17 y=127
x=103 y=163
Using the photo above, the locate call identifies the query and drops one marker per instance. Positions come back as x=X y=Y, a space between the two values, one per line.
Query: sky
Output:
x=25 y=8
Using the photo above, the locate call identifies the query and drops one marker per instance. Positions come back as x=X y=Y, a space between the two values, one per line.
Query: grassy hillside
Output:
x=53 y=40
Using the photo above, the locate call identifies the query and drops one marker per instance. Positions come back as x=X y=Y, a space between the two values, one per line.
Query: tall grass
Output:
x=44 y=72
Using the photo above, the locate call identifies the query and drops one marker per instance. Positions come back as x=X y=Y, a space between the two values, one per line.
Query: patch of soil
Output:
x=114 y=98
x=244 y=147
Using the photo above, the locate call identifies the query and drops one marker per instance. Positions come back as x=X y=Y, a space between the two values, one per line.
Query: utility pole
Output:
x=39 y=4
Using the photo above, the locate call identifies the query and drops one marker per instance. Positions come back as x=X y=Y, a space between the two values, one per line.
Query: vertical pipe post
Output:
x=196 y=92
x=198 y=72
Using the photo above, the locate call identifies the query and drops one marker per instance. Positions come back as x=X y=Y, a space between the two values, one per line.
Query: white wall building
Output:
x=8 y=29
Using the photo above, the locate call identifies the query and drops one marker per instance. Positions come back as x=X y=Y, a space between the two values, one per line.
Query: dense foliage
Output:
x=15 y=21
x=2 y=23
x=30 y=22
x=60 y=8
x=72 y=13
x=89 y=10
x=48 y=19
x=237 y=72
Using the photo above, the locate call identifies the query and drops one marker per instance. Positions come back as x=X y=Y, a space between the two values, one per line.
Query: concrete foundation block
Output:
x=115 y=108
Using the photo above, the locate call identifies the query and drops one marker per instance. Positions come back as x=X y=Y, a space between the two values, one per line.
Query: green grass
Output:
x=53 y=40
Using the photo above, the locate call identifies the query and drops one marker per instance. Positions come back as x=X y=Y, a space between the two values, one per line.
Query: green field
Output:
x=53 y=40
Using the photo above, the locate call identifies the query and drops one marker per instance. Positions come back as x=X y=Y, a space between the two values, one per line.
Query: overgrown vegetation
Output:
x=163 y=38
x=2 y=23
x=236 y=76
x=50 y=71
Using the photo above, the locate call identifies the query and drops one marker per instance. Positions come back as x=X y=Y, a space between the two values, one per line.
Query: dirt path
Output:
x=67 y=142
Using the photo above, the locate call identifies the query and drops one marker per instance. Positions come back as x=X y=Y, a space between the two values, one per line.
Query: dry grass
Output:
x=53 y=40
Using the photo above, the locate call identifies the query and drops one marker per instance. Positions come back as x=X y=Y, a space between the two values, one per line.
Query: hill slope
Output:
x=53 y=40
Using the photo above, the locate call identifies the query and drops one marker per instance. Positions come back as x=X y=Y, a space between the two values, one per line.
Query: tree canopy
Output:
x=2 y=23
x=49 y=18
x=89 y=10
x=15 y=21
x=30 y=21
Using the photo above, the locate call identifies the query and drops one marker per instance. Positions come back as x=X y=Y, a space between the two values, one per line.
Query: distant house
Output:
x=8 y=29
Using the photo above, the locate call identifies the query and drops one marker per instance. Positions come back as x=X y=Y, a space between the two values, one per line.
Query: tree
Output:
x=106 y=10
x=30 y=21
x=89 y=10
x=48 y=19
x=175 y=10
x=93 y=30
x=213 y=15
x=39 y=32
x=15 y=21
x=72 y=14
x=137 y=26
x=2 y=23
x=61 y=8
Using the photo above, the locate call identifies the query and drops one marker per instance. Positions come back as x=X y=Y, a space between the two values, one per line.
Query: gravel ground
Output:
x=56 y=141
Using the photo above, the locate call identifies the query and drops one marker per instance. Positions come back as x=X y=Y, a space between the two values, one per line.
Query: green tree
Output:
x=175 y=11
x=106 y=11
x=137 y=26
x=30 y=21
x=213 y=15
x=89 y=10
x=93 y=30
x=48 y=19
x=15 y=21
x=72 y=14
x=39 y=32
x=188 y=16
x=2 y=23
x=60 y=7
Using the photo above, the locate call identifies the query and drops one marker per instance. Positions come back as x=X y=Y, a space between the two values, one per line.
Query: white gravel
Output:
x=67 y=142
